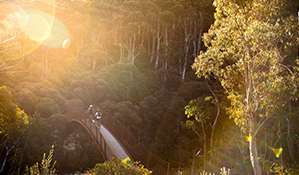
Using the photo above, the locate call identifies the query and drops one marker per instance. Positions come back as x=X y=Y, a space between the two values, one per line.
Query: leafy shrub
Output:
x=45 y=168
x=120 y=167
x=223 y=171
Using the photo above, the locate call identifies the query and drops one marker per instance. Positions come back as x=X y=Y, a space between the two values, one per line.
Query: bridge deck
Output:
x=113 y=143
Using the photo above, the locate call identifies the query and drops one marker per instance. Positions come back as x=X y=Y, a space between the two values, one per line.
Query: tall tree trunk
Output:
x=253 y=150
x=148 y=42
x=194 y=33
x=133 y=49
x=186 y=48
x=166 y=53
x=215 y=121
x=135 y=45
x=248 y=70
x=204 y=145
x=156 y=66
x=153 y=47
x=94 y=42
x=121 y=49
x=193 y=163
x=166 y=40
x=6 y=156
x=48 y=63
x=200 y=33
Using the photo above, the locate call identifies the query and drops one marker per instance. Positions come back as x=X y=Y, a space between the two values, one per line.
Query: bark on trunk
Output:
x=248 y=70
x=204 y=146
x=187 y=41
x=200 y=34
x=254 y=154
x=215 y=121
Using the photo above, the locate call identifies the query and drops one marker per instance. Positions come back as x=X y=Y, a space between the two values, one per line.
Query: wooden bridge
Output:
x=113 y=139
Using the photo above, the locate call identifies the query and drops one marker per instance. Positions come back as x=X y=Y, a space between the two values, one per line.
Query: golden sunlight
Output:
x=11 y=18
x=37 y=28
x=46 y=29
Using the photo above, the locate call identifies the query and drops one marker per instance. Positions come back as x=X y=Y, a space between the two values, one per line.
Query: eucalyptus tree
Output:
x=74 y=14
x=206 y=112
x=246 y=51
x=13 y=123
x=99 y=36
x=185 y=25
x=164 y=19
x=165 y=22
x=190 y=24
x=133 y=29
x=11 y=35
x=151 y=13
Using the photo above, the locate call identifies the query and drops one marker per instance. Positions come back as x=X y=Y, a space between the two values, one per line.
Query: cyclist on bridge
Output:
x=98 y=116
x=90 y=111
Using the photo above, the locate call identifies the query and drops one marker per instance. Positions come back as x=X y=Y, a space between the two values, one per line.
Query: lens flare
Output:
x=66 y=43
x=30 y=26
x=46 y=29
x=277 y=151
x=249 y=138
x=37 y=27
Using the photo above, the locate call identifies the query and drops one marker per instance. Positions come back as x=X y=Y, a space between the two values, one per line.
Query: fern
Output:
x=45 y=167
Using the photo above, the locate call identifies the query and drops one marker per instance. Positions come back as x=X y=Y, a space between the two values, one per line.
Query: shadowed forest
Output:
x=202 y=84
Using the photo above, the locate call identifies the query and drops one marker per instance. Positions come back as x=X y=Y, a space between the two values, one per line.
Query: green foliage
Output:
x=223 y=171
x=195 y=110
x=200 y=109
x=125 y=111
x=13 y=124
x=11 y=116
x=46 y=167
x=127 y=81
x=27 y=100
x=111 y=63
x=121 y=167
x=245 y=53
x=39 y=138
x=282 y=170
x=77 y=148
x=47 y=107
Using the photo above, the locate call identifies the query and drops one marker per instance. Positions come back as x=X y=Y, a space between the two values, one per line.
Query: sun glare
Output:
x=46 y=29
x=37 y=25
x=37 y=28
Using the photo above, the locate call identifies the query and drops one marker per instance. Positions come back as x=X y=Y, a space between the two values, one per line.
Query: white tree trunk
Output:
x=153 y=47
x=158 y=46
x=253 y=151
x=200 y=34
x=247 y=66
x=188 y=38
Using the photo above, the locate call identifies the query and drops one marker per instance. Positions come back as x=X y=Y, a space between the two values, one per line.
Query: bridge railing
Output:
x=81 y=117
x=133 y=146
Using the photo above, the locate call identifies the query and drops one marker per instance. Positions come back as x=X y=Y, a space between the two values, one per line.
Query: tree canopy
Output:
x=248 y=50
x=133 y=59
